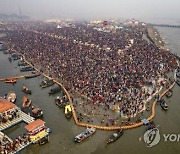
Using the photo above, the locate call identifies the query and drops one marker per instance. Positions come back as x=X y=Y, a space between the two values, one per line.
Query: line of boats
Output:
x=90 y=131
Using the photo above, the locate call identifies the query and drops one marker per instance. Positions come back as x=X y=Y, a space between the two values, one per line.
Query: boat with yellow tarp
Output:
x=68 y=111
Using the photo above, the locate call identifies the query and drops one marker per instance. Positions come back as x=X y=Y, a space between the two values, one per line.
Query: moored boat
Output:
x=11 y=97
x=178 y=73
x=44 y=140
x=116 y=135
x=10 y=80
x=15 y=56
x=32 y=76
x=47 y=83
x=164 y=105
x=169 y=94
x=26 y=69
x=68 y=111
x=37 y=112
x=22 y=63
x=26 y=90
x=84 y=135
x=60 y=102
x=55 y=90
x=26 y=102
x=178 y=82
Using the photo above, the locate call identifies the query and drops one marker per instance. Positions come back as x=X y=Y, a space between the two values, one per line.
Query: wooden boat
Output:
x=169 y=94
x=34 y=72
x=11 y=97
x=116 y=135
x=26 y=90
x=164 y=105
x=178 y=82
x=178 y=73
x=84 y=135
x=26 y=102
x=47 y=83
x=37 y=112
x=55 y=90
x=10 y=80
x=68 y=111
x=60 y=102
x=16 y=58
x=26 y=69
x=44 y=140
x=32 y=76
x=22 y=63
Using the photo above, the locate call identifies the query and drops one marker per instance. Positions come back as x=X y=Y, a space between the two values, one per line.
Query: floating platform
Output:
x=22 y=117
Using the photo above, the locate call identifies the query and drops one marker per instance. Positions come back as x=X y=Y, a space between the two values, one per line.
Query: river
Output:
x=62 y=137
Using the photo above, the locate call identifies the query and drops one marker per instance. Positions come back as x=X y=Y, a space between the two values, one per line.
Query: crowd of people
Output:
x=9 y=116
x=109 y=68
x=7 y=146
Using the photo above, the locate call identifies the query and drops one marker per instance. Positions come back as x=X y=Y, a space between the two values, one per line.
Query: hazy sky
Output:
x=94 y=8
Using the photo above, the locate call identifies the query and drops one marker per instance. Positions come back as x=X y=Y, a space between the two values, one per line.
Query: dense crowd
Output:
x=111 y=70
x=7 y=146
x=9 y=116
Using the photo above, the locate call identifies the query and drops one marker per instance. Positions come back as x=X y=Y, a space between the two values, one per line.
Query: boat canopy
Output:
x=5 y=105
x=33 y=125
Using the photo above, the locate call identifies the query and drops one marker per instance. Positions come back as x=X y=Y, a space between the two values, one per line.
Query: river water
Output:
x=62 y=137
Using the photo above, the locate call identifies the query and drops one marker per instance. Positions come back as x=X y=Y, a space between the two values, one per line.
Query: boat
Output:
x=37 y=112
x=44 y=140
x=60 y=102
x=84 y=135
x=10 y=80
x=26 y=102
x=22 y=63
x=169 y=94
x=15 y=56
x=47 y=83
x=164 y=105
x=32 y=76
x=116 y=135
x=34 y=72
x=178 y=73
x=68 y=111
x=160 y=100
x=55 y=90
x=26 y=90
x=178 y=82
x=11 y=97
x=26 y=69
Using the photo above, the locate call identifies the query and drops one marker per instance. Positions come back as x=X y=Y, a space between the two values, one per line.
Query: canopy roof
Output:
x=5 y=105
x=33 y=125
